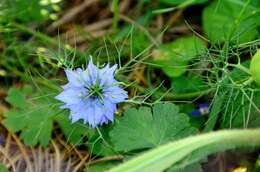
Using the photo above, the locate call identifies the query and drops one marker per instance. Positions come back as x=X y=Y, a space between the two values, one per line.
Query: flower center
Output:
x=95 y=91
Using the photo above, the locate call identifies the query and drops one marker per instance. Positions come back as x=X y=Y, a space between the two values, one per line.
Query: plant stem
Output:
x=241 y=67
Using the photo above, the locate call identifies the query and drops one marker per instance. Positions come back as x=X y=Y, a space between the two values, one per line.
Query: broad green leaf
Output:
x=174 y=57
x=102 y=166
x=201 y=155
x=187 y=108
x=38 y=132
x=12 y=117
x=196 y=167
x=229 y=20
x=146 y=128
x=34 y=114
x=162 y=157
x=186 y=84
x=16 y=98
x=32 y=118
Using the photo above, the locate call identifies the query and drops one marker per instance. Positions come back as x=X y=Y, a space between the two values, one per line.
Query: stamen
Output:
x=95 y=91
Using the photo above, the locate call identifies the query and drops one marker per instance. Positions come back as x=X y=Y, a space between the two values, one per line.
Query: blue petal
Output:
x=74 y=117
x=98 y=113
x=86 y=78
x=109 y=110
x=115 y=94
x=67 y=86
x=70 y=96
x=195 y=113
x=80 y=107
x=73 y=77
x=94 y=115
x=93 y=72
x=104 y=120
x=90 y=117
x=107 y=76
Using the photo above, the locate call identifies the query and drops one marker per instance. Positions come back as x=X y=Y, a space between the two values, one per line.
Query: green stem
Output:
x=248 y=81
x=173 y=153
x=189 y=95
x=241 y=67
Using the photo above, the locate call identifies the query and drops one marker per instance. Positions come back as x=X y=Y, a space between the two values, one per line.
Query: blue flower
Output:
x=92 y=94
x=202 y=110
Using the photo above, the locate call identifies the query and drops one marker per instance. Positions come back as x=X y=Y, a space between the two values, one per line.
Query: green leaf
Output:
x=164 y=156
x=196 y=167
x=34 y=117
x=38 y=132
x=146 y=128
x=16 y=98
x=186 y=84
x=12 y=117
x=74 y=132
x=201 y=155
x=101 y=166
x=174 y=57
x=180 y=2
x=231 y=20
